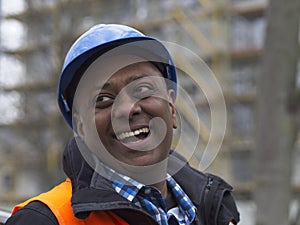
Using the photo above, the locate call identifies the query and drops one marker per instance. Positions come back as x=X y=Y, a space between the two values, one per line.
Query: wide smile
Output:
x=141 y=137
x=134 y=135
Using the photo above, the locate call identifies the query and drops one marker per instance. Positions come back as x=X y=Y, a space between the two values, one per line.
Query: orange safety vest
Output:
x=58 y=200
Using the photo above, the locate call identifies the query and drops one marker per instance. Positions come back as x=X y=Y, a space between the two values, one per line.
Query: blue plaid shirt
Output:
x=151 y=200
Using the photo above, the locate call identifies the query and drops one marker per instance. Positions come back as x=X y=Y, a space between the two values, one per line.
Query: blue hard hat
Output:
x=96 y=41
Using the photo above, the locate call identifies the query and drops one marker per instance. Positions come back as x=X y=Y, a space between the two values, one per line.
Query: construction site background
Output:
x=35 y=36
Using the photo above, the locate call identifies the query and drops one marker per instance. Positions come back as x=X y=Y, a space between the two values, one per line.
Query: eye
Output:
x=103 y=101
x=143 y=90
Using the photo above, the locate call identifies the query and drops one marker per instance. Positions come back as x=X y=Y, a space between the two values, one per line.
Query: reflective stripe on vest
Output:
x=58 y=200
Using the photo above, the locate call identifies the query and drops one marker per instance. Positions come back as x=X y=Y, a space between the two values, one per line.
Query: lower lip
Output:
x=140 y=145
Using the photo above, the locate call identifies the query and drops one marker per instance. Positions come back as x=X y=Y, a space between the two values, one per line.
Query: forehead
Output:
x=133 y=71
x=116 y=68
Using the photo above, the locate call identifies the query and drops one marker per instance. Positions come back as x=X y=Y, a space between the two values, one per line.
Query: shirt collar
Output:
x=123 y=185
x=185 y=205
x=129 y=189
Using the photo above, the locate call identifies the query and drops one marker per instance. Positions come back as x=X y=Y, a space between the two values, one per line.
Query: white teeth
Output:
x=124 y=135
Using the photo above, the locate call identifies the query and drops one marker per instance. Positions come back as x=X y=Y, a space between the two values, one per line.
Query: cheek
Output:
x=157 y=107
x=102 y=122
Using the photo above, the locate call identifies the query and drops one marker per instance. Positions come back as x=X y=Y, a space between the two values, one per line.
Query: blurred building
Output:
x=35 y=35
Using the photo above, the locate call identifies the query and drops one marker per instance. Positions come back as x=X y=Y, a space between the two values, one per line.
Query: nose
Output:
x=125 y=106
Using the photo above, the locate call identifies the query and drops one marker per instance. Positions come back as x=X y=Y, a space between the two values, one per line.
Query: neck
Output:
x=162 y=187
x=154 y=175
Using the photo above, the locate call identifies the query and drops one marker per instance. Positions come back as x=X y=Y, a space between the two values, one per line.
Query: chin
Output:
x=147 y=159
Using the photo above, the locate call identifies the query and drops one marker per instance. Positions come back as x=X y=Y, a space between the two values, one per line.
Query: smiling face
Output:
x=134 y=115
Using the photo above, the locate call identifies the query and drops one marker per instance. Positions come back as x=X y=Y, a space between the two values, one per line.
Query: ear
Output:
x=173 y=108
x=78 y=125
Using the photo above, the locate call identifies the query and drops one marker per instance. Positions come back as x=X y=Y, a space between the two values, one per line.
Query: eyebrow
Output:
x=128 y=80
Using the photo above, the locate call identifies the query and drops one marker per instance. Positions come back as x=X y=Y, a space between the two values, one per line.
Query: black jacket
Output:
x=210 y=194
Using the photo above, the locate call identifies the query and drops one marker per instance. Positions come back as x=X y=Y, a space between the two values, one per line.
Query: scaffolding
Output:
x=211 y=28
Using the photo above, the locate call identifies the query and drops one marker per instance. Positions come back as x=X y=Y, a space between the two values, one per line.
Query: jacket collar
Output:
x=93 y=192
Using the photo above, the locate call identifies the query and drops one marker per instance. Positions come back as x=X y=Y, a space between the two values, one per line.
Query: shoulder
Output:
x=220 y=202
x=56 y=203
x=34 y=213
x=210 y=194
